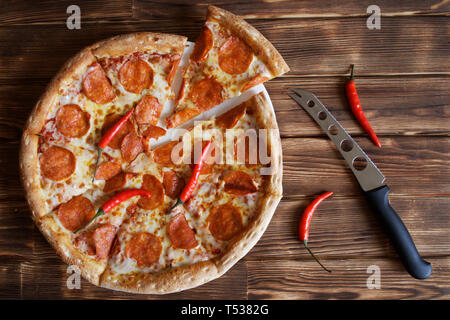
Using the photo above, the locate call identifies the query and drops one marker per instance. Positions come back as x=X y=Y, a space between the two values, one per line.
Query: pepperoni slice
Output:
x=148 y=110
x=173 y=184
x=230 y=118
x=127 y=127
x=163 y=155
x=57 y=163
x=153 y=132
x=152 y=184
x=131 y=147
x=235 y=56
x=181 y=235
x=203 y=44
x=253 y=82
x=76 y=212
x=145 y=248
x=115 y=183
x=173 y=71
x=206 y=93
x=71 y=121
x=103 y=237
x=181 y=117
x=136 y=75
x=225 y=222
x=107 y=170
x=96 y=85
x=239 y=183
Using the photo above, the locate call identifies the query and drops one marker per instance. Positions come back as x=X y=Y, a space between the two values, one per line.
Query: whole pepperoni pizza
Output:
x=143 y=217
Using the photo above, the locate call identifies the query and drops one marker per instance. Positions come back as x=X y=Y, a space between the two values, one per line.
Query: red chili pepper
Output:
x=109 y=135
x=193 y=180
x=305 y=221
x=116 y=200
x=355 y=105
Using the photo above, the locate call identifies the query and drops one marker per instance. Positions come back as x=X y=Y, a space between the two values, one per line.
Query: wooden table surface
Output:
x=403 y=77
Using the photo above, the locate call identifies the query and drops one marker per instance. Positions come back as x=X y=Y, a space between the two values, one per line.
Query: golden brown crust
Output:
x=260 y=45
x=140 y=41
x=90 y=268
x=166 y=281
x=28 y=155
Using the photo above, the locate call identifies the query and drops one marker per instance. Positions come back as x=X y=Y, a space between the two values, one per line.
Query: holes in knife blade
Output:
x=346 y=145
x=333 y=129
x=311 y=103
x=359 y=163
x=322 y=115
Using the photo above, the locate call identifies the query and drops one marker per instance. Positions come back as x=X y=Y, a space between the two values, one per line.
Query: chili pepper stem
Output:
x=179 y=201
x=99 y=152
x=351 y=75
x=98 y=214
x=305 y=243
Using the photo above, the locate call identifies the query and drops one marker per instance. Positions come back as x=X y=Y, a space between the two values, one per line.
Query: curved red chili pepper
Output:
x=116 y=200
x=355 y=105
x=193 y=180
x=109 y=135
x=305 y=221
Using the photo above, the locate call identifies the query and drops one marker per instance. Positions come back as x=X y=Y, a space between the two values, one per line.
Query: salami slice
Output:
x=136 y=75
x=115 y=183
x=107 y=170
x=57 y=163
x=163 y=154
x=225 y=222
x=239 y=183
x=71 y=121
x=203 y=45
x=206 y=93
x=181 y=234
x=235 y=56
x=96 y=85
x=230 y=118
x=180 y=117
x=253 y=82
x=127 y=127
x=152 y=184
x=76 y=212
x=131 y=147
x=148 y=110
x=103 y=237
x=145 y=248
x=173 y=184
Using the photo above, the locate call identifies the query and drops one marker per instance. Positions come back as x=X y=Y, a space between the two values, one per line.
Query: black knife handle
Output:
x=399 y=235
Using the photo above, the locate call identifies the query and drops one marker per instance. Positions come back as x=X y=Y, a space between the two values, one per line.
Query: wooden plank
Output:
x=256 y=9
x=346 y=228
x=394 y=105
x=51 y=11
x=298 y=279
x=411 y=165
x=310 y=46
x=44 y=275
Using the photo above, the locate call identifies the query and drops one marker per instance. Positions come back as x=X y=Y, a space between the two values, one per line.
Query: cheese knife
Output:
x=371 y=180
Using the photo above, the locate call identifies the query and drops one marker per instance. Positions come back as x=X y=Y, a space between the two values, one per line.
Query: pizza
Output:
x=138 y=216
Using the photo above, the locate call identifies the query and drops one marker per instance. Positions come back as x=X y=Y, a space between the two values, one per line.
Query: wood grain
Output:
x=411 y=165
x=299 y=279
x=304 y=43
x=346 y=228
x=48 y=11
x=254 y=9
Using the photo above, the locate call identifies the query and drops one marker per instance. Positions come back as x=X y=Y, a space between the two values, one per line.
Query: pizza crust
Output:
x=259 y=44
x=140 y=41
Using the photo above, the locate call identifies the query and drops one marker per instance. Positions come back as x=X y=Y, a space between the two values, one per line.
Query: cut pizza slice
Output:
x=230 y=56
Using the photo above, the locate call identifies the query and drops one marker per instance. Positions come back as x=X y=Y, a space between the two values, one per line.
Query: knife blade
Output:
x=371 y=180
